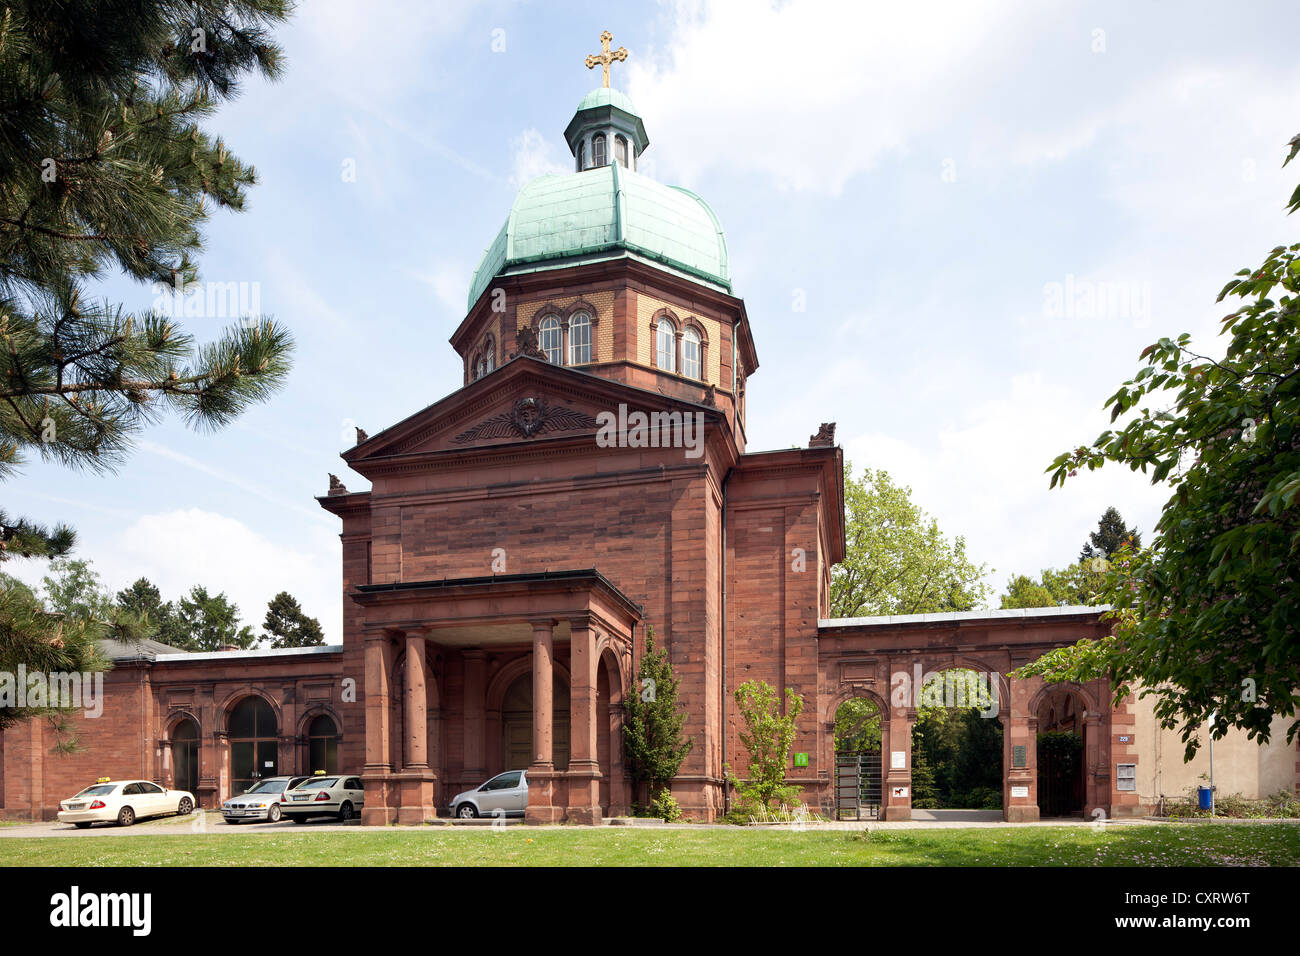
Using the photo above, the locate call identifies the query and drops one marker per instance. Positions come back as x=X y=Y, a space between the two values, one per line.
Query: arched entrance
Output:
x=322 y=745
x=1062 y=743
x=517 y=725
x=185 y=756
x=857 y=759
x=957 y=744
x=252 y=732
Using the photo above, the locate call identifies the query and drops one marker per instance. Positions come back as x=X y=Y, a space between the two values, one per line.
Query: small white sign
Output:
x=898 y=760
x=900 y=791
x=269 y=764
x=1019 y=791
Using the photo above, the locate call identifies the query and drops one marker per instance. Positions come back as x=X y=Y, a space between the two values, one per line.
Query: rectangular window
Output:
x=1126 y=775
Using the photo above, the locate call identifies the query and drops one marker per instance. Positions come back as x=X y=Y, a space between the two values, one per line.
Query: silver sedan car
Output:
x=506 y=794
x=261 y=801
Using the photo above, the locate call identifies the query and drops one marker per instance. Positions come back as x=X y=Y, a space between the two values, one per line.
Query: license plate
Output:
x=76 y=806
x=302 y=798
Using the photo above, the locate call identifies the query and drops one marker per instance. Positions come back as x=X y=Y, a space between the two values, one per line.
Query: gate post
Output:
x=1019 y=755
x=896 y=756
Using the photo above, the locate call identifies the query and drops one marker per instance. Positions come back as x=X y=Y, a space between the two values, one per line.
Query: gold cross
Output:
x=606 y=56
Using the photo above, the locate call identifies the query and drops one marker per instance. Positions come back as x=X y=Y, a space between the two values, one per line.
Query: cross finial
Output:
x=606 y=55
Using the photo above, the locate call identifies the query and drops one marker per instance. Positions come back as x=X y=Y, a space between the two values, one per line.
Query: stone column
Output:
x=416 y=752
x=417 y=779
x=475 y=704
x=618 y=804
x=1019 y=755
x=377 y=774
x=896 y=800
x=541 y=772
x=584 y=770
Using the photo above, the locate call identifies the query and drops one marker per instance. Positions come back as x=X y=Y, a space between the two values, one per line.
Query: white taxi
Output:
x=124 y=801
x=332 y=794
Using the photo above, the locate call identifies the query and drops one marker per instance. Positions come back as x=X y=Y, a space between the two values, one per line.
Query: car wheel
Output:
x=273 y=815
x=125 y=817
x=466 y=811
x=82 y=826
x=345 y=812
x=186 y=807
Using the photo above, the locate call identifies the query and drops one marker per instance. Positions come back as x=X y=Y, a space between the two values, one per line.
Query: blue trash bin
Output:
x=1203 y=797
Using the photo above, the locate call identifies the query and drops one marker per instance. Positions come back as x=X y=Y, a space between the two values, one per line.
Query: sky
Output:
x=954 y=225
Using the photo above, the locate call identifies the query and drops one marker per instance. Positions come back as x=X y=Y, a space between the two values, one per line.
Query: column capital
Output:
x=580 y=621
x=543 y=624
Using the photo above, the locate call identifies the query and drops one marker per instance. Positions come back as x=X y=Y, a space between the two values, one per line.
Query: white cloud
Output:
x=982 y=475
x=812 y=93
x=179 y=549
x=535 y=155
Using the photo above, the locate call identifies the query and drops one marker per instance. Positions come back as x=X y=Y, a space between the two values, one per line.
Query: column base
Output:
x=1021 y=814
x=415 y=791
x=542 y=795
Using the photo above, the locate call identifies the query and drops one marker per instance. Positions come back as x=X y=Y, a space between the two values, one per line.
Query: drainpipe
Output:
x=726 y=786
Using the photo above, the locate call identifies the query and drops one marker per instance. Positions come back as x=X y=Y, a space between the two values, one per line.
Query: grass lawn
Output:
x=1151 y=846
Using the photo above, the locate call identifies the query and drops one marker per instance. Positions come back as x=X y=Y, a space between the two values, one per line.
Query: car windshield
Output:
x=98 y=790
x=317 y=782
x=267 y=786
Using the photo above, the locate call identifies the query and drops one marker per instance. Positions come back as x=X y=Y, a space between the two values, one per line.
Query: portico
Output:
x=447 y=665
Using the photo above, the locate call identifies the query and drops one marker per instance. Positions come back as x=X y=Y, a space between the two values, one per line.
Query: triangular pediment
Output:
x=522 y=402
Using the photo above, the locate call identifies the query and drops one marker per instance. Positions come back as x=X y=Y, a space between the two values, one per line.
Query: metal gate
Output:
x=857 y=784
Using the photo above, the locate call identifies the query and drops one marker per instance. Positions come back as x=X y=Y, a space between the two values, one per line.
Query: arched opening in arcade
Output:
x=185 y=756
x=254 y=746
x=1062 y=744
x=858 y=763
x=322 y=745
x=957 y=742
x=517 y=725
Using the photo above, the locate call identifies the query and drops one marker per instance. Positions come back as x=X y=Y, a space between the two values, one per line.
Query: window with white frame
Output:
x=579 y=338
x=598 y=150
x=620 y=151
x=549 y=339
x=666 y=345
x=1126 y=776
x=490 y=356
x=691 y=354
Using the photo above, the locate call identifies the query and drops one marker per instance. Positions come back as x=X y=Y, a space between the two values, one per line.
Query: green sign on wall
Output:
x=801 y=760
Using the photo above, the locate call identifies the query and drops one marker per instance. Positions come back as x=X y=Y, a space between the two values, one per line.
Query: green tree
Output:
x=652 y=722
x=211 y=622
x=857 y=725
x=1109 y=537
x=72 y=588
x=1205 y=617
x=158 y=618
x=287 y=626
x=105 y=165
x=897 y=560
x=1078 y=584
x=767 y=737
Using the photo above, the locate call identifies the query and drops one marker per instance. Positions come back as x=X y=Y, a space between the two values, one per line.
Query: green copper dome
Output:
x=603 y=213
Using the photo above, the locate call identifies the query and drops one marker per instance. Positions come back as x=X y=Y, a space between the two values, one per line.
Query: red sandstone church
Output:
x=588 y=480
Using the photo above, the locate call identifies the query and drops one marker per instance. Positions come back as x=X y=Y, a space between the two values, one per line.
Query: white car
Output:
x=336 y=795
x=506 y=794
x=124 y=801
x=261 y=801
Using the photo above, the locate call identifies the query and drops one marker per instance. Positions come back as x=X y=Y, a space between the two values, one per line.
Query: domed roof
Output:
x=607 y=96
x=603 y=213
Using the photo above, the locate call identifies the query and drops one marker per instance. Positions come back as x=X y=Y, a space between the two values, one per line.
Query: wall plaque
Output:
x=1019 y=791
x=1018 y=758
